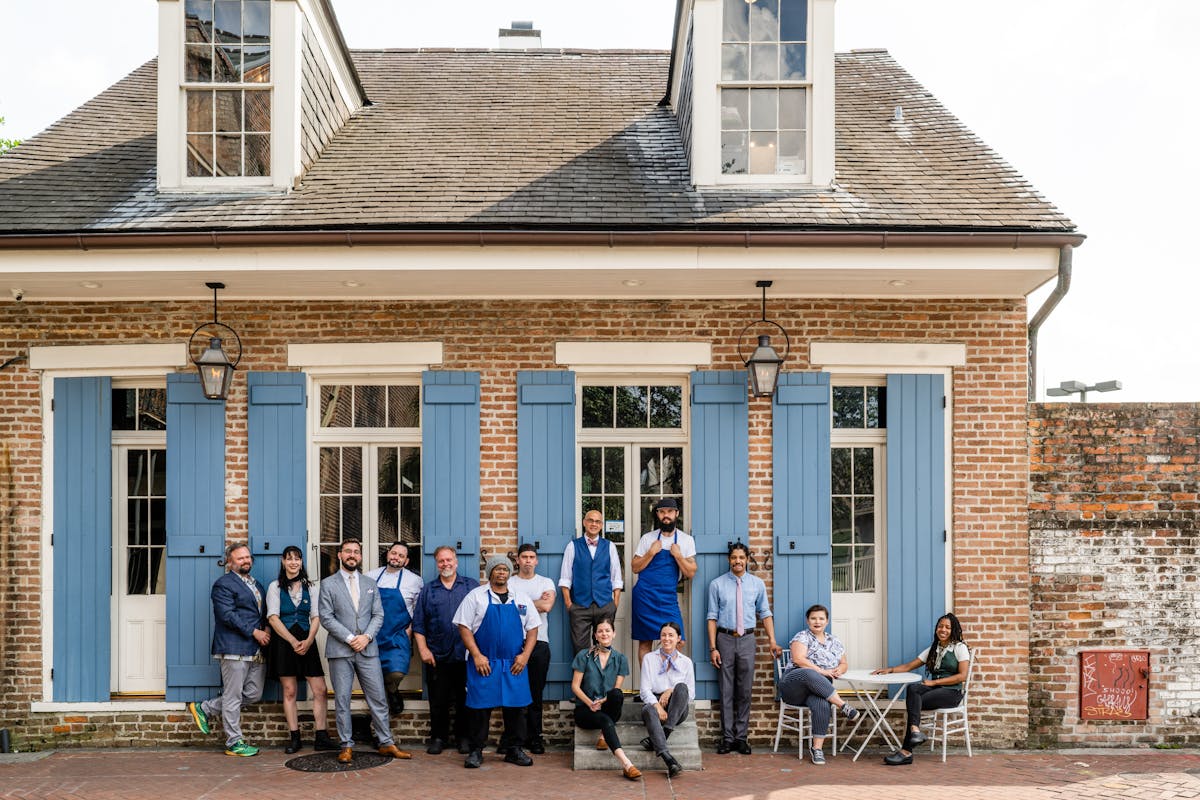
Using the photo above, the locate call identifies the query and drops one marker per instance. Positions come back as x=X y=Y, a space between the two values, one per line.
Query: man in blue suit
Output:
x=239 y=635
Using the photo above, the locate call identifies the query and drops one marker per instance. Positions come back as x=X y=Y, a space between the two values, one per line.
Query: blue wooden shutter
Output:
x=450 y=467
x=803 y=572
x=916 y=512
x=546 y=495
x=82 y=538
x=720 y=495
x=195 y=534
x=275 y=429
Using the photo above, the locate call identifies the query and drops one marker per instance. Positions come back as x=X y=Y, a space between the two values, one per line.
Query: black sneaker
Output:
x=436 y=746
x=742 y=746
x=674 y=768
x=474 y=760
x=464 y=746
x=724 y=747
x=537 y=746
x=849 y=711
x=517 y=756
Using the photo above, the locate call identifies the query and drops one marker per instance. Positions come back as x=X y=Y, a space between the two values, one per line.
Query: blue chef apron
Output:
x=654 y=596
x=500 y=637
x=395 y=648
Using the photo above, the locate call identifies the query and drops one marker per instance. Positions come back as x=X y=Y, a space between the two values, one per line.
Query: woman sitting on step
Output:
x=596 y=683
x=668 y=685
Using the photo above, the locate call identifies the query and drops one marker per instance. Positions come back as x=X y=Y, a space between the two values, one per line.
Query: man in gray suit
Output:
x=352 y=613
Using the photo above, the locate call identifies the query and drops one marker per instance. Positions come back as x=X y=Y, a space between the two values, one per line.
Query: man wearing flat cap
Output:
x=662 y=556
x=499 y=627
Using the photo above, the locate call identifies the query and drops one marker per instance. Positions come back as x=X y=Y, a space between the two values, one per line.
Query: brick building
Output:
x=481 y=292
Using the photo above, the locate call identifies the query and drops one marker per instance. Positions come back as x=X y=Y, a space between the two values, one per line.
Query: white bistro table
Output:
x=865 y=685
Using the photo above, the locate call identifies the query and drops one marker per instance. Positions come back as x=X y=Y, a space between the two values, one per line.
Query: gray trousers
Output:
x=370 y=678
x=241 y=685
x=736 y=680
x=583 y=618
x=677 y=712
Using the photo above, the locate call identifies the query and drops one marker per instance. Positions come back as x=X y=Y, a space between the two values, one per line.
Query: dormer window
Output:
x=227 y=84
x=764 y=88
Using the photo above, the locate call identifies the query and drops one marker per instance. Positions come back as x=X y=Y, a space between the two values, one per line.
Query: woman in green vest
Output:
x=946 y=660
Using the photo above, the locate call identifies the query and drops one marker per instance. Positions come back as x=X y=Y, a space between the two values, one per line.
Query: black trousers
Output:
x=514 y=727
x=918 y=696
x=605 y=720
x=447 y=684
x=539 y=665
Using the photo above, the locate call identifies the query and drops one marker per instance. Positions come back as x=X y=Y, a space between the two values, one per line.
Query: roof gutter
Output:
x=1065 y=259
x=143 y=240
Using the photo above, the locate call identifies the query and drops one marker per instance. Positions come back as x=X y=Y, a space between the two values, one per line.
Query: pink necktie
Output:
x=741 y=626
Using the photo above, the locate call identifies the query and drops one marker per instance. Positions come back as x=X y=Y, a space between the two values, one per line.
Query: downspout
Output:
x=1065 y=255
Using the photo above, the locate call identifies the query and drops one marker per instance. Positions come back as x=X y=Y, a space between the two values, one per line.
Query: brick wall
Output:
x=1113 y=533
x=990 y=550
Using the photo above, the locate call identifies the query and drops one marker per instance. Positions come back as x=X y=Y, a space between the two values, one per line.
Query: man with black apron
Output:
x=499 y=628
x=662 y=556
x=398 y=590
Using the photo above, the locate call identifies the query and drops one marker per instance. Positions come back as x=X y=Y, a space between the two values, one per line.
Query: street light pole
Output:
x=1067 y=388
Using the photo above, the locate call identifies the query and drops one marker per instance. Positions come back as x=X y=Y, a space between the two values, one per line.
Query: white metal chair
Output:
x=953 y=720
x=797 y=719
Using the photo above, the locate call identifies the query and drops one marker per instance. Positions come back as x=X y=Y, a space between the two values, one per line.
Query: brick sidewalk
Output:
x=161 y=774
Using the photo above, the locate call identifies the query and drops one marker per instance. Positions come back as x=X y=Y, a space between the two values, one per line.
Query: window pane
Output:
x=158 y=570
x=842 y=533
x=791 y=153
x=331 y=470
x=158 y=473
x=158 y=521
x=256 y=20
x=864 y=569
x=123 y=409
x=791 y=62
x=590 y=466
x=876 y=407
x=735 y=109
x=388 y=472
x=370 y=406
x=840 y=471
x=389 y=511
x=229 y=155
x=666 y=406
x=842 y=569
x=591 y=504
x=597 y=406
x=410 y=470
x=764 y=62
x=764 y=21
x=864 y=471
x=762 y=153
x=864 y=520
x=736 y=21
x=336 y=407
x=763 y=108
x=199 y=112
x=793 y=20
x=614 y=470
x=136 y=473
x=631 y=406
x=331 y=528
x=227 y=68
x=228 y=20
x=258 y=111
x=410 y=526
x=136 y=531
x=404 y=407
x=198 y=20
x=614 y=508
x=734 y=158
x=137 y=573
x=258 y=155
x=329 y=560
x=198 y=64
x=352 y=518
x=672 y=471
x=200 y=156
x=793 y=109
x=152 y=409
x=351 y=470
x=735 y=62
x=256 y=64
x=847 y=407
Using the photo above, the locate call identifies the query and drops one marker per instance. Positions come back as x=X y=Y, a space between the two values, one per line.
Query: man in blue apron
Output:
x=662 y=556
x=398 y=590
x=499 y=627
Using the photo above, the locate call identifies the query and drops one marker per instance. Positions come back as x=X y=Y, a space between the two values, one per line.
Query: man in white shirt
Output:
x=540 y=590
x=590 y=580
x=663 y=556
x=398 y=590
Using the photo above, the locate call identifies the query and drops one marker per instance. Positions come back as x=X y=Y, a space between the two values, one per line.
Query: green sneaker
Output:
x=240 y=748
x=200 y=717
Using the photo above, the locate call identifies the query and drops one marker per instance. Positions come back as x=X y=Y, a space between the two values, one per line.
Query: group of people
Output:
x=486 y=646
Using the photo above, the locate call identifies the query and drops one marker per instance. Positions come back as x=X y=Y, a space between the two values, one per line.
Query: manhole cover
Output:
x=327 y=762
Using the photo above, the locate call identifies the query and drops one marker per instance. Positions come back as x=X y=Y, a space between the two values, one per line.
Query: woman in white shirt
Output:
x=946 y=661
x=668 y=685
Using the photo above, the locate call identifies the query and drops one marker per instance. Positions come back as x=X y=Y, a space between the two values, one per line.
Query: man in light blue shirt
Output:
x=736 y=601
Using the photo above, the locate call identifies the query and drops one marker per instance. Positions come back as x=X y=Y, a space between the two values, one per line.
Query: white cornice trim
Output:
x=871 y=354
x=357 y=356
x=125 y=356
x=625 y=357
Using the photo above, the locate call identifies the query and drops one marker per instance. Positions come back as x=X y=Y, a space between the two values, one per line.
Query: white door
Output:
x=140 y=579
x=857 y=552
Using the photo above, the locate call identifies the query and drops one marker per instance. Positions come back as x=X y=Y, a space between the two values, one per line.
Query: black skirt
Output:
x=284 y=662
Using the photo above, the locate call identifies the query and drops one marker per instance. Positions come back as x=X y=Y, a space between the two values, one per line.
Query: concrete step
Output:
x=684 y=745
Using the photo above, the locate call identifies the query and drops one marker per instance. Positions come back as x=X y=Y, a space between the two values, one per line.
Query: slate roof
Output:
x=527 y=140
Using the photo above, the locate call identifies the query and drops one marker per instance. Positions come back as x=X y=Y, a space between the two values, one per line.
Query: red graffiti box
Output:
x=1113 y=684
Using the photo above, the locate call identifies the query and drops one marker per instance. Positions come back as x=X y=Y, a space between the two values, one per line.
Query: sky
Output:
x=1091 y=100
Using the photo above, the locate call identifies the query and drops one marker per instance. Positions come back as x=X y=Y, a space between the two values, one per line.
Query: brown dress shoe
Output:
x=346 y=755
x=632 y=773
x=601 y=744
x=393 y=751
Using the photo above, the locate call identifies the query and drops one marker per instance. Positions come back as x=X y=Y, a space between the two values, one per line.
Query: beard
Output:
x=447 y=572
x=666 y=527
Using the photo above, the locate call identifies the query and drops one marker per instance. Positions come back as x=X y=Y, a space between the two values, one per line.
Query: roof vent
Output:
x=521 y=35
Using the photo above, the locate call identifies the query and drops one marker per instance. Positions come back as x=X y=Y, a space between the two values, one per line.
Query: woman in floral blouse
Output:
x=818 y=657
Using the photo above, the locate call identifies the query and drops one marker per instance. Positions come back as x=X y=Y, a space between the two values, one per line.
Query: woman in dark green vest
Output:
x=945 y=660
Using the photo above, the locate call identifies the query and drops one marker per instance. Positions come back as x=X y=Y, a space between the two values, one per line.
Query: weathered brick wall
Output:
x=990 y=550
x=1114 y=507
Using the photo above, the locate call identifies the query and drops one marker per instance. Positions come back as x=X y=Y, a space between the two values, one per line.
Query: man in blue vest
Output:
x=590 y=580
x=239 y=634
